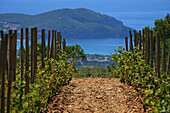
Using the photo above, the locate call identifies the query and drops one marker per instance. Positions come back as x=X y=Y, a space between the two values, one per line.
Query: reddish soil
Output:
x=96 y=95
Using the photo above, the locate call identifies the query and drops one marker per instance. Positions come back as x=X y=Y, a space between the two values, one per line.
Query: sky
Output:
x=103 y=6
x=133 y=13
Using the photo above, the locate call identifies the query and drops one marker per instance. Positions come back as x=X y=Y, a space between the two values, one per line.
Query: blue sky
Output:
x=102 y=6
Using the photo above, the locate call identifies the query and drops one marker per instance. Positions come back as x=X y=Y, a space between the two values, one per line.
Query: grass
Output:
x=95 y=72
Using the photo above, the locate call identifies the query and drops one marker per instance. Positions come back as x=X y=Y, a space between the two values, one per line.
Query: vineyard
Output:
x=38 y=77
x=30 y=78
x=146 y=65
x=135 y=68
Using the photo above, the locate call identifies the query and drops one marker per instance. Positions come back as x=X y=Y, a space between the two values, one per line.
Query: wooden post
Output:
x=35 y=44
x=48 y=51
x=15 y=56
x=168 y=67
x=131 y=43
x=4 y=60
x=135 y=38
x=151 y=50
x=0 y=45
x=60 y=40
x=22 y=64
x=64 y=45
x=11 y=69
x=143 y=42
x=157 y=59
x=32 y=55
x=140 y=40
x=148 y=45
x=43 y=47
x=2 y=35
x=1 y=64
x=1 y=55
x=55 y=55
x=126 y=43
x=164 y=52
x=51 y=55
x=27 y=60
x=147 y=48
x=58 y=35
x=35 y=53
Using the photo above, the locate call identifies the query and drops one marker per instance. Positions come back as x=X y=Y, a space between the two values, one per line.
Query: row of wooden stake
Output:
x=8 y=58
x=145 y=44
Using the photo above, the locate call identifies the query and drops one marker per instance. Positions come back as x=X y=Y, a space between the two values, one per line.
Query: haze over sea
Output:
x=135 y=14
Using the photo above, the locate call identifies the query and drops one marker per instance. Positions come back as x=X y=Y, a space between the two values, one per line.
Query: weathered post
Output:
x=164 y=52
x=140 y=40
x=151 y=50
x=27 y=60
x=64 y=45
x=35 y=50
x=1 y=64
x=11 y=69
x=135 y=38
x=48 y=51
x=52 y=47
x=126 y=43
x=1 y=55
x=131 y=43
x=32 y=55
x=55 y=55
x=58 y=33
x=43 y=46
x=2 y=34
x=168 y=67
x=22 y=64
x=2 y=37
x=147 y=52
x=60 y=39
x=143 y=42
x=4 y=61
x=157 y=59
x=148 y=46
x=15 y=56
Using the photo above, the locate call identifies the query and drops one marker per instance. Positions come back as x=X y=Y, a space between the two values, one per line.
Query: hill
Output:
x=74 y=23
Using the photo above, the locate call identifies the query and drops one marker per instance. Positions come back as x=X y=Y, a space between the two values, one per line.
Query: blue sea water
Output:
x=135 y=20
x=99 y=46
x=93 y=46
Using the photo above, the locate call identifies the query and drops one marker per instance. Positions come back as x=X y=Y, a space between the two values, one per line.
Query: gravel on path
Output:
x=96 y=95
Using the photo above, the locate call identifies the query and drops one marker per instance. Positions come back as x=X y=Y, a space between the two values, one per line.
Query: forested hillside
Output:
x=74 y=23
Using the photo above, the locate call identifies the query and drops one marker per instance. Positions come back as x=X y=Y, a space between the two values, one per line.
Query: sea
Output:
x=106 y=46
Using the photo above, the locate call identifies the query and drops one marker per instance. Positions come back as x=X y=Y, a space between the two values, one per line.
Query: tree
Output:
x=161 y=25
x=75 y=53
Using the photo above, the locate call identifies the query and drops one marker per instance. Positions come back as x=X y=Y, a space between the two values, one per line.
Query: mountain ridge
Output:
x=73 y=23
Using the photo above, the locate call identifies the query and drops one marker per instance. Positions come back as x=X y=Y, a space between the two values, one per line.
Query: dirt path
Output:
x=95 y=95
